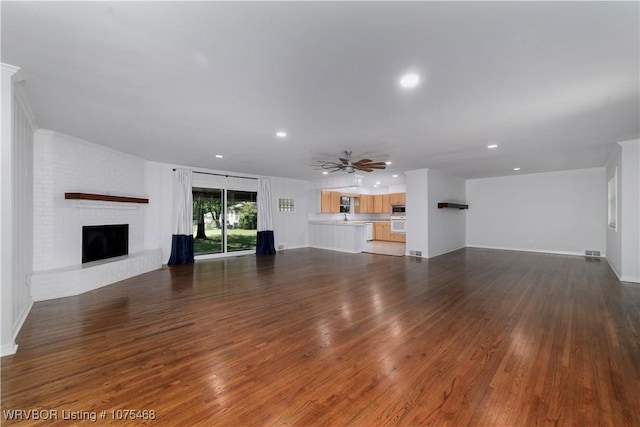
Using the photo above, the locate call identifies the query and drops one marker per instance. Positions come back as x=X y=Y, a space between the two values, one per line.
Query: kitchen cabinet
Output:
x=382 y=231
x=398 y=198
x=382 y=203
x=377 y=203
x=378 y=231
x=329 y=201
x=386 y=203
x=398 y=237
x=365 y=204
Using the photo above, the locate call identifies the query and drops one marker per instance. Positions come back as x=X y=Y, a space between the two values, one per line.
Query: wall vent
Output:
x=591 y=253
x=281 y=247
x=415 y=253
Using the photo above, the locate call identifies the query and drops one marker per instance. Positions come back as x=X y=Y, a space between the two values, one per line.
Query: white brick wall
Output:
x=62 y=164
x=66 y=164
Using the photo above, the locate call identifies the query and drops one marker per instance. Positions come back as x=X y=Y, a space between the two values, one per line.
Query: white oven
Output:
x=398 y=224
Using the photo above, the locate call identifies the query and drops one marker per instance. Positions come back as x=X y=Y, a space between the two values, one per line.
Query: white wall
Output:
x=447 y=227
x=417 y=211
x=623 y=243
x=159 y=217
x=630 y=213
x=555 y=212
x=16 y=213
x=67 y=164
x=430 y=230
x=613 y=236
x=290 y=229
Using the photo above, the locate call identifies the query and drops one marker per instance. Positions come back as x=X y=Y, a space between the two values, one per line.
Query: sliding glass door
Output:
x=242 y=220
x=224 y=220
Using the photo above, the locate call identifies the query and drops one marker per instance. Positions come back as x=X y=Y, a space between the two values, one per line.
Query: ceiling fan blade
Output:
x=364 y=168
x=330 y=165
x=344 y=161
x=374 y=166
x=362 y=161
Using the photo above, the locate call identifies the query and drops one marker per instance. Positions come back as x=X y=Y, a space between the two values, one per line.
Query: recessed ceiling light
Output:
x=395 y=176
x=375 y=185
x=377 y=182
x=387 y=163
x=409 y=81
x=492 y=146
x=219 y=156
x=325 y=173
x=281 y=134
x=516 y=169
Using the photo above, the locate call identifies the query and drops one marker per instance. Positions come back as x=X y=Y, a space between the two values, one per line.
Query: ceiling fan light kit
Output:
x=346 y=165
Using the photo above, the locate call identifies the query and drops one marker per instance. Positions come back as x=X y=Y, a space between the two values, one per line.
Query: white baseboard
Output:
x=539 y=251
x=293 y=247
x=335 y=249
x=622 y=278
x=11 y=348
x=21 y=319
x=445 y=252
x=613 y=268
x=8 y=349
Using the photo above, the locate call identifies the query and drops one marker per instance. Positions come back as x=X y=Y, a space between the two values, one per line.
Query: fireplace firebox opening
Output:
x=104 y=241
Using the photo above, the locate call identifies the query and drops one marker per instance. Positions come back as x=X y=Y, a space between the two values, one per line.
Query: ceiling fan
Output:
x=364 y=165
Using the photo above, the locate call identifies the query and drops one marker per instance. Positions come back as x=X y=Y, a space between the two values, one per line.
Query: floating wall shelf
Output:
x=104 y=198
x=452 y=205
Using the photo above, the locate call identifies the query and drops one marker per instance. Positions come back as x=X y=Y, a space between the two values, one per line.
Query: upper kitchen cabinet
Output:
x=365 y=204
x=381 y=203
x=398 y=198
x=386 y=203
x=377 y=203
x=329 y=201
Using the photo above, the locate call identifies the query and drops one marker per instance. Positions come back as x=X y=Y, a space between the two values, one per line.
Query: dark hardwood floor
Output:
x=311 y=337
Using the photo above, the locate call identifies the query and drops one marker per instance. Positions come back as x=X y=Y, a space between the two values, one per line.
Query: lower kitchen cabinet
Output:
x=382 y=231
x=398 y=237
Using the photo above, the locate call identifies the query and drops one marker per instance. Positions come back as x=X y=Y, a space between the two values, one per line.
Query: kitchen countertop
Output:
x=340 y=222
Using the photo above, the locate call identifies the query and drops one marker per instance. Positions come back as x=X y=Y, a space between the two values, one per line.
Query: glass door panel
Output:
x=208 y=221
x=242 y=220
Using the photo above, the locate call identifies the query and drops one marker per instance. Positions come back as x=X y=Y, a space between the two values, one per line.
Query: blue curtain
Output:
x=181 y=249
x=265 y=240
x=182 y=240
x=265 y=245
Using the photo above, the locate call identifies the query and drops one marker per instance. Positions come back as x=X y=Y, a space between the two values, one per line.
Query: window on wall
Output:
x=285 y=205
x=612 y=193
x=345 y=204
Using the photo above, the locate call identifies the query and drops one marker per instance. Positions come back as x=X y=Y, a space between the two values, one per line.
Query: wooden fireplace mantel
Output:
x=104 y=198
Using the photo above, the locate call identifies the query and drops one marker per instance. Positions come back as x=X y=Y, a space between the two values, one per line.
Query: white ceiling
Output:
x=555 y=85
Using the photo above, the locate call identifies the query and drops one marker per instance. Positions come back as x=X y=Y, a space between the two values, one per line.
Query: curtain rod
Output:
x=221 y=174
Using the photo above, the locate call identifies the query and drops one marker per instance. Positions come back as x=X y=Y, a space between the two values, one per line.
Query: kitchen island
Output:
x=342 y=236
